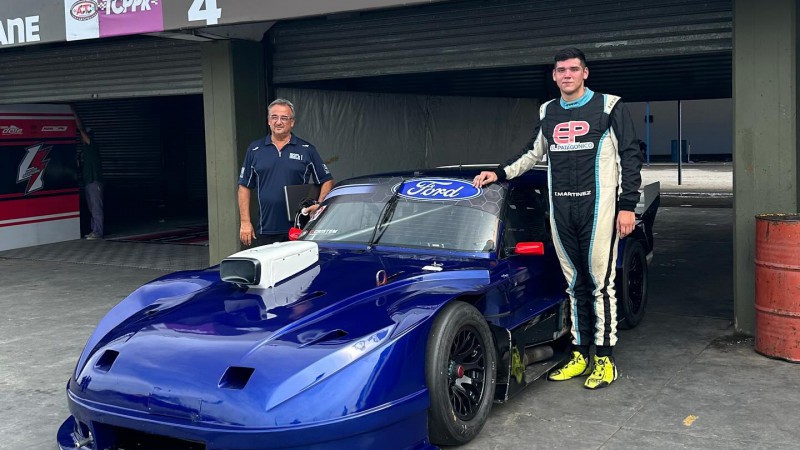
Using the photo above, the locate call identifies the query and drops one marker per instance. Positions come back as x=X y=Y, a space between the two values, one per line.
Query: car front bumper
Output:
x=402 y=424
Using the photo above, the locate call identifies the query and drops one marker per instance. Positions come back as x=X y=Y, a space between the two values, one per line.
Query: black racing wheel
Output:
x=632 y=285
x=460 y=370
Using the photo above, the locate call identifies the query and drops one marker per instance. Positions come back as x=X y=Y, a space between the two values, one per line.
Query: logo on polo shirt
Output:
x=295 y=156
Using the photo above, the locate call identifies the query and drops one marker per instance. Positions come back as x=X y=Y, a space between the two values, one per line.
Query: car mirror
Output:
x=529 y=248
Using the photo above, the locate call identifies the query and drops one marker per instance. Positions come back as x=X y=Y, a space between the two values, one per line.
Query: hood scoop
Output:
x=105 y=362
x=329 y=336
x=236 y=377
x=268 y=265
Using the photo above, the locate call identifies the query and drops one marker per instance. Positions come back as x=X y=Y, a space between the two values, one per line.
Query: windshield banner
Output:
x=437 y=189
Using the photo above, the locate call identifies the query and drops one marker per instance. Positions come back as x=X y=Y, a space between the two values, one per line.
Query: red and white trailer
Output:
x=39 y=196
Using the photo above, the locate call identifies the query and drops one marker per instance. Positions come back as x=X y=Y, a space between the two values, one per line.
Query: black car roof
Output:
x=537 y=176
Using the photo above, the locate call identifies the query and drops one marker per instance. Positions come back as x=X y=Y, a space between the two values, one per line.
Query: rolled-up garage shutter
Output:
x=481 y=34
x=505 y=48
x=139 y=66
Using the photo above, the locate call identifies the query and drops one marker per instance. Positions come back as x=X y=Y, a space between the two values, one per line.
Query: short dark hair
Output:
x=569 y=53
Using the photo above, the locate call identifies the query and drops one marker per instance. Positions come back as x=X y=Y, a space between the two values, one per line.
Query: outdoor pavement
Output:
x=686 y=380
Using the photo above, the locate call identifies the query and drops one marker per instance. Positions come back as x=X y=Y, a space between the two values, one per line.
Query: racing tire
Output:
x=632 y=286
x=460 y=370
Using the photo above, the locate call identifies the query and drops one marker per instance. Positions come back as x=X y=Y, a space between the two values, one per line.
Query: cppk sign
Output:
x=89 y=19
x=437 y=189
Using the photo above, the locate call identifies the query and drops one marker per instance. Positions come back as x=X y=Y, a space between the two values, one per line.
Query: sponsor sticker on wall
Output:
x=89 y=19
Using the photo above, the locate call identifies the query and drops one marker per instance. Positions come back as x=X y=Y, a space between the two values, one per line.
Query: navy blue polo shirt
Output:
x=268 y=170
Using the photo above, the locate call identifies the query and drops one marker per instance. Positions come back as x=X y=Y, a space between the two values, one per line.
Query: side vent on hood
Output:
x=329 y=336
x=236 y=377
x=105 y=362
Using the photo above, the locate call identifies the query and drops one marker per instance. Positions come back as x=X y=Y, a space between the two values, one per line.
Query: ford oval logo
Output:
x=83 y=9
x=437 y=189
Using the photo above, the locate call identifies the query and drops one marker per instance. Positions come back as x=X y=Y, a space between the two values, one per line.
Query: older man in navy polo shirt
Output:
x=278 y=160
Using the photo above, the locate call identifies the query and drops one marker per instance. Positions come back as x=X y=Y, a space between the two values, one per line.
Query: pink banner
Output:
x=121 y=17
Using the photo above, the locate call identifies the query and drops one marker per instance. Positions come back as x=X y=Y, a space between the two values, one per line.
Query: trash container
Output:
x=777 y=304
x=684 y=149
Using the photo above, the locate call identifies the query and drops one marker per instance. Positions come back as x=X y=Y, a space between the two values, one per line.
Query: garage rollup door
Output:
x=478 y=34
x=139 y=66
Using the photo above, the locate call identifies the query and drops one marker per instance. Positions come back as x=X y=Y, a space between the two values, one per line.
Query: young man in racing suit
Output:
x=594 y=166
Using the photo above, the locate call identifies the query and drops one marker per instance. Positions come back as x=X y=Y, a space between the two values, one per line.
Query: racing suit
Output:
x=594 y=166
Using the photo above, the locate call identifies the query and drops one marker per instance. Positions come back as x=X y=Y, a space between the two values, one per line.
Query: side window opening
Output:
x=527 y=218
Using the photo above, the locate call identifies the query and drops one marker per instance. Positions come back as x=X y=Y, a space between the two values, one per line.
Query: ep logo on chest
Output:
x=295 y=156
x=564 y=135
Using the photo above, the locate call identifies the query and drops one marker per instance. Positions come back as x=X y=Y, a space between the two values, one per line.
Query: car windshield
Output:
x=373 y=213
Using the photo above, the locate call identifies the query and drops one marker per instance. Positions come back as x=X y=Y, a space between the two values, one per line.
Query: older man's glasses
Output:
x=280 y=118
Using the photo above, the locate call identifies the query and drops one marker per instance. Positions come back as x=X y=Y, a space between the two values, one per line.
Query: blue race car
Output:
x=410 y=303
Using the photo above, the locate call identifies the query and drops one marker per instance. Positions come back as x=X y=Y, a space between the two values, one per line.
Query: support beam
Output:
x=234 y=102
x=765 y=152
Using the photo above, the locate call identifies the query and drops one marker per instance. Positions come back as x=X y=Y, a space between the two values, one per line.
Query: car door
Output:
x=535 y=281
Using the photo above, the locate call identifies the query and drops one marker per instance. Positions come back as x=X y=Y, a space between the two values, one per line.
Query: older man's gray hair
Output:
x=281 y=101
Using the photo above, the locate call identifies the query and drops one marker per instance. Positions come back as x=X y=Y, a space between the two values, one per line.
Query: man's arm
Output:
x=630 y=157
x=323 y=191
x=246 y=231
x=85 y=138
x=531 y=154
x=323 y=177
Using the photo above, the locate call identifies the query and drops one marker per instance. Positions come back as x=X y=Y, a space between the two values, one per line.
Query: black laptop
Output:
x=295 y=194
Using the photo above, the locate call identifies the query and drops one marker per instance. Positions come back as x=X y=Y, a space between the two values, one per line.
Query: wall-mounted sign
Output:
x=90 y=19
x=40 y=21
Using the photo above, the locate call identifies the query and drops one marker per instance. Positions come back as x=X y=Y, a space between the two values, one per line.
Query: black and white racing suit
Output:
x=594 y=167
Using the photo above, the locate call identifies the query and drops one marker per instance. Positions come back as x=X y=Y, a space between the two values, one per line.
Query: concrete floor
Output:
x=686 y=381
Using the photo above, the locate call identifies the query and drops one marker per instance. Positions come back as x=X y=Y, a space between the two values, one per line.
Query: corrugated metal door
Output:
x=101 y=69
x=479 y=34
x=153 y=155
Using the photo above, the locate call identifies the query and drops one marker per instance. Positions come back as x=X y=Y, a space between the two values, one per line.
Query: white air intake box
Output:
x=268 y=265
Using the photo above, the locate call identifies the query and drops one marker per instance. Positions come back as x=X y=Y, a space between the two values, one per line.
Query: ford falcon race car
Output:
x=409 y=305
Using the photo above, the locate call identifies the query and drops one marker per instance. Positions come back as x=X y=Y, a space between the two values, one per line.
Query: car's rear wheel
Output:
x=632 y=285
x=460 y=371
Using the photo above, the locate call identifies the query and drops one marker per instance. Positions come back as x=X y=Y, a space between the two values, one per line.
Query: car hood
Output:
x=227 y=354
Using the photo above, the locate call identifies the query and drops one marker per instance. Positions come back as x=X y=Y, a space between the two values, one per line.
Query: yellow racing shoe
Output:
x=577 y=365
x=604 y=373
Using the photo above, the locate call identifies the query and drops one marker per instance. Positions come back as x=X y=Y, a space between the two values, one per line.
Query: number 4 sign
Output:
x=205 y=10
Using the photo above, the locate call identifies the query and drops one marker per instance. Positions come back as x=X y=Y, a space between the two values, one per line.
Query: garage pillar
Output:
x=765 y=151
x=234 y=103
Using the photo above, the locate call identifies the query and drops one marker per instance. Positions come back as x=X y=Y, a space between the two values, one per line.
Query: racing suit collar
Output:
x=584 y=99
